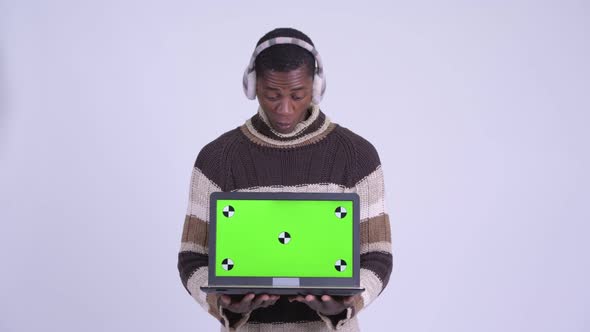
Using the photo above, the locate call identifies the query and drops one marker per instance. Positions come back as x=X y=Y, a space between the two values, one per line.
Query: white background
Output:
x=479 y=110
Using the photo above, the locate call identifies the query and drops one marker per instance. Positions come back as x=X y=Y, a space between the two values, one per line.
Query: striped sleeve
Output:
x=193 y=257
x=375 y=232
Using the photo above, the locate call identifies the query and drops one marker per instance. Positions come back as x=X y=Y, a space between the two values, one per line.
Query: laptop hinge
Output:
x=290 y=282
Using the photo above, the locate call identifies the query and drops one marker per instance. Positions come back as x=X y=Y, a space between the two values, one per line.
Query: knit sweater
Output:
x=318 y=156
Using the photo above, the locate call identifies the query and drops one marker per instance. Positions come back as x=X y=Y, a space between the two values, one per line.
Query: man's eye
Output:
x=272 y=97
x=297 y=97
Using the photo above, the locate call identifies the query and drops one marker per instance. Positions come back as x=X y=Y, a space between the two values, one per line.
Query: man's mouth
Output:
x=283 y=125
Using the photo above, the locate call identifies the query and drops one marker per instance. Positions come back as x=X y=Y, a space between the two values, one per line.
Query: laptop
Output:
x=284 y=243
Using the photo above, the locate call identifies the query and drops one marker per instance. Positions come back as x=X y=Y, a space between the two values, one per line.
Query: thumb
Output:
x=224 y=300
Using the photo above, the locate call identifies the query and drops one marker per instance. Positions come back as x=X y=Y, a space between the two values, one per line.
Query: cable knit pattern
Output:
x=320 y=156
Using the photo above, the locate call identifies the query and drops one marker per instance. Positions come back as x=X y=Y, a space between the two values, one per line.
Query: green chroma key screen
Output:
x=284 y=238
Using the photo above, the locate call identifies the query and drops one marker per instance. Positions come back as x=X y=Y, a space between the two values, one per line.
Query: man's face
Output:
x=285 y=97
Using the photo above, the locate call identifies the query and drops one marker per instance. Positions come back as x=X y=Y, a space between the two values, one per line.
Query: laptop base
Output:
x=233 y=290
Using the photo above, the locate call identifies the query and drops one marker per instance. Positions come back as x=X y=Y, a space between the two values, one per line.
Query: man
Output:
x=290 y=145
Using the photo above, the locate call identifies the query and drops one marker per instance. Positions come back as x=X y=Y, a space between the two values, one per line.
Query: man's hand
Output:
x=326 y=304
x=247 y=303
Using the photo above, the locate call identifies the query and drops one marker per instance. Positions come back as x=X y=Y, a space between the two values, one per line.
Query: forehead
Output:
x=297 y=78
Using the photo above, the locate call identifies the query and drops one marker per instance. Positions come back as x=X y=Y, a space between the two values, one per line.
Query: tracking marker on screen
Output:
x=340 y=212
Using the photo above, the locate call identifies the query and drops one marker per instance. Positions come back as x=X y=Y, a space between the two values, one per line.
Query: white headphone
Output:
x=319 y=79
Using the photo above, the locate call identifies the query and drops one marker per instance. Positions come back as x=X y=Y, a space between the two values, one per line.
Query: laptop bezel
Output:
x=215 y=280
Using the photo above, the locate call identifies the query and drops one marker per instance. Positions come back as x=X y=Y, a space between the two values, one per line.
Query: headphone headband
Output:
x=285 y=40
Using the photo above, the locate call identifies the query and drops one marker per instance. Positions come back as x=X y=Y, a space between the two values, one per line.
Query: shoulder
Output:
x=213 y=151
x=364 y=152
x=211 y=161
x=361 y=146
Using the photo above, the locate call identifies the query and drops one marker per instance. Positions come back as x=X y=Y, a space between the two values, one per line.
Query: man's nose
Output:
x=284 y=106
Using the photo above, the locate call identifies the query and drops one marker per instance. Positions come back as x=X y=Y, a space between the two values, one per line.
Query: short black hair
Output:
x=284 y=57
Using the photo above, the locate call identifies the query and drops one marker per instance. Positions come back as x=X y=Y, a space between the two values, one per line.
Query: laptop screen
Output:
x=283 y=235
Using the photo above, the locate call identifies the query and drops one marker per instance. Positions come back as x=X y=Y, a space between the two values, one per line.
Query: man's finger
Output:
x=326 y=298
x=260 y=299
x=313 y=302
x=348 y=301
x=247 y=299
x=266 y=304
x=297 y=298
x=225 y=300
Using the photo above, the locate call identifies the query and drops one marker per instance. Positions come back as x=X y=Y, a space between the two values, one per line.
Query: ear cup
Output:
x=249 y=84
x=319 y=85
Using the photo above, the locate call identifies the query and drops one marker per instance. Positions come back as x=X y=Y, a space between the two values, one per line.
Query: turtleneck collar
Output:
x=313 y=112
x=314 y=128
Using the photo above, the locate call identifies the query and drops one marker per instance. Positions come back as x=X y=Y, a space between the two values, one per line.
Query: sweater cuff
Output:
x=232 y=320
x=335 y=322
